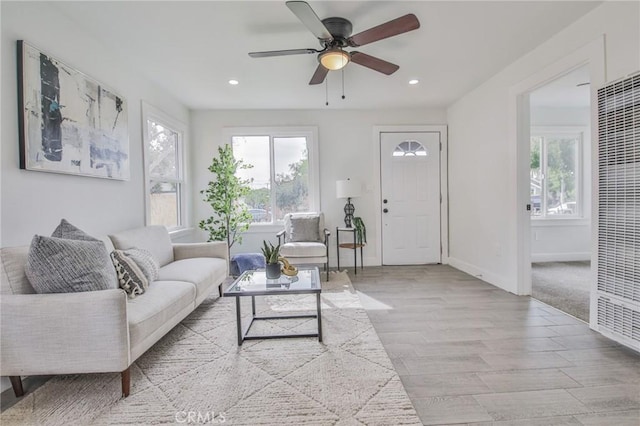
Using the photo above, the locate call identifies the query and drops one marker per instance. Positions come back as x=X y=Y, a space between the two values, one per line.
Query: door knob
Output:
x=385 y=210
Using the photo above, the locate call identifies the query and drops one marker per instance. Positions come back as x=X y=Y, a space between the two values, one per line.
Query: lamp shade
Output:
x=348 y=188
x=334 y=59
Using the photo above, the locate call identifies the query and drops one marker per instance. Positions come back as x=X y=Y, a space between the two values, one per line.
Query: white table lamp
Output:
x=348 y=189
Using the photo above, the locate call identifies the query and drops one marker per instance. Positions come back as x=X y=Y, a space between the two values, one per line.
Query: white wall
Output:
x=34 y=202
x=346 y=150
x=482 y=170
x=565 y=239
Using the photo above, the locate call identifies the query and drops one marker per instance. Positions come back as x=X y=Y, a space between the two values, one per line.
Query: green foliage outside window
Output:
x=554 y=166
x=292 y=189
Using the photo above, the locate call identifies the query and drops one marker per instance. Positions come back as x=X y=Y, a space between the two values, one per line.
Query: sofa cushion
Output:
x=303 y=250
x=57 y=265
x=161 y=302
x=204 y=272
x=71 y=232
x=154 y=239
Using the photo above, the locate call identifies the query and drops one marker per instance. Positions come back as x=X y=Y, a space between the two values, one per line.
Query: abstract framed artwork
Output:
x=68 y=122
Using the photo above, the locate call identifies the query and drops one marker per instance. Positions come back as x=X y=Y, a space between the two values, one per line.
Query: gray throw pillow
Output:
x=56 y=265
x=70 y=232
x=130 y=276
x=305 y=229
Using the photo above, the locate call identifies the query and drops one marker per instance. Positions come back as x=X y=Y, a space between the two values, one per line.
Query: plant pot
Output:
x=273 y=271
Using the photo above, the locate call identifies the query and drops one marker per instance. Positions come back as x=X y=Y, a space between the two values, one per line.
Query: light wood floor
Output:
x=468 y=352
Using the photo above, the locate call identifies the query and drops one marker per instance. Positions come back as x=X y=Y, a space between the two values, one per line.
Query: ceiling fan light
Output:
x=334 y=59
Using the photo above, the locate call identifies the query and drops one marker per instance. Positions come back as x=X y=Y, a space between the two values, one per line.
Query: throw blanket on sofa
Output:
x=246 y=261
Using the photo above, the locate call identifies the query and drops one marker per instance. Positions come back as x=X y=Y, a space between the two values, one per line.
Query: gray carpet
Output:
x=346 y=380
x=563 y=285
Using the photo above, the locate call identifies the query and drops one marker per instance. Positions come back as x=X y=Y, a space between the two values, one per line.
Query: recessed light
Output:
x=414 y=81
x=234 y=82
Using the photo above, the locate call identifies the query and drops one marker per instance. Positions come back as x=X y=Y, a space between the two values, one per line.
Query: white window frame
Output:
x=550 y=131
x=311 y=134
x=149 y=112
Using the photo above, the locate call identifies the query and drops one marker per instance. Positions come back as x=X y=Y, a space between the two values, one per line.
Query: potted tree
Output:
x=272 y=260
x=231 y=216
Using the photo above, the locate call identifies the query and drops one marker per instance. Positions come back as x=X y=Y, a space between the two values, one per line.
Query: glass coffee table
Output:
x=255 y=283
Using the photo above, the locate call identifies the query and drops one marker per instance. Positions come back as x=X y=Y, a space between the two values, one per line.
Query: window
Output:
x=555 y=174
x=410 y=149
x=164 y=139
x=283 y=177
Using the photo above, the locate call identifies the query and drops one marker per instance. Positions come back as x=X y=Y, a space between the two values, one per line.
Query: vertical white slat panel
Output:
x=618 y=269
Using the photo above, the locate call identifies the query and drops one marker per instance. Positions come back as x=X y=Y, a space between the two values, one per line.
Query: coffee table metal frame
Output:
x=242 y=331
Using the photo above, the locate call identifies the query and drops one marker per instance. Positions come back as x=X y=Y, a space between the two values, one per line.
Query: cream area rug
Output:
x=197 y=374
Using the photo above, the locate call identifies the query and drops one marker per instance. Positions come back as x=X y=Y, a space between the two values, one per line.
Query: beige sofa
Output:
x=102 y=331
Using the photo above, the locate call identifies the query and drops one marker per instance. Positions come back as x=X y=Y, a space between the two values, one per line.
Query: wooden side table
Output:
x=353 y=246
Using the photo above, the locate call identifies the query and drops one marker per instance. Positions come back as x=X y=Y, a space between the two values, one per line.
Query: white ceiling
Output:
x=192 y=49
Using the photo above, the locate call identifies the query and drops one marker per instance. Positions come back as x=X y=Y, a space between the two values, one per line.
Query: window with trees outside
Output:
x=555 y=175
x=283 y=177
x=164 y=139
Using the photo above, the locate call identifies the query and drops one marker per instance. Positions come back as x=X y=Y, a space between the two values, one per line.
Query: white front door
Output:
x=410 y=183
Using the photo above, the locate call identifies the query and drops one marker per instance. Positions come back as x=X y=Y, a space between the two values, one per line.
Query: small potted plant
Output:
x=271 y=257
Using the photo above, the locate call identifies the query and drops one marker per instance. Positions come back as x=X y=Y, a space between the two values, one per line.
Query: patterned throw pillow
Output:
x=145 y=261
x=136 y=269
x=57 y=265
x=305 y=229
x=131 y=278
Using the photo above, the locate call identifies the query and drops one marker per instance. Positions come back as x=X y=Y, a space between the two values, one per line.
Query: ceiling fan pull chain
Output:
x=342 y=83
x=326 y=92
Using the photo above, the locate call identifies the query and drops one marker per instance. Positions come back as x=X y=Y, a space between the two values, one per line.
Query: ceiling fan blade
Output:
x=392 y=28
x=319 y=75
x=374 y=63
x=281 y=53
x=309 y=18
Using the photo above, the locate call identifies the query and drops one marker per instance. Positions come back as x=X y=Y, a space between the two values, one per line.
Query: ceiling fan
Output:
x=334 y=34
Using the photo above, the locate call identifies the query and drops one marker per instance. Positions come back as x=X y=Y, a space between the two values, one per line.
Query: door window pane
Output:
x=410 y=149
x=291 y=163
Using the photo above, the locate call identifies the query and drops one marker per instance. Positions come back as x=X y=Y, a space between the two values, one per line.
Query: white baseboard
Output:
x=560 y=257
x=482 y=274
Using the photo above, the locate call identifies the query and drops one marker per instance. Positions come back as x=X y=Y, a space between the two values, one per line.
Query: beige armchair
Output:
x=305 y=240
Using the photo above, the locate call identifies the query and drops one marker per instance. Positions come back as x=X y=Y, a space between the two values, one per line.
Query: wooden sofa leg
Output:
x=16 y=383
x=126 y=382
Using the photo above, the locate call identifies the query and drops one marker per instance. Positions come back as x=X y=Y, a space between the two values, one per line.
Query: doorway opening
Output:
x=561 y=192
